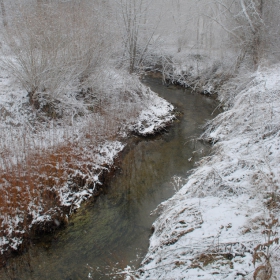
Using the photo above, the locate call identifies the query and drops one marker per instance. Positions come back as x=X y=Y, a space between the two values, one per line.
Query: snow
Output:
x=108 y=151
x=210 y=228
x=157 y=114
x=73 y=148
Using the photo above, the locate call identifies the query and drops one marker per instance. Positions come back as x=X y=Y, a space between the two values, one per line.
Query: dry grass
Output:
x=57 y=54
x=31 y=188
x=33 y=171
x=39 y=165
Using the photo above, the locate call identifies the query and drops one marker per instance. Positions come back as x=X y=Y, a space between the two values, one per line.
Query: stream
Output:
x=113 y=231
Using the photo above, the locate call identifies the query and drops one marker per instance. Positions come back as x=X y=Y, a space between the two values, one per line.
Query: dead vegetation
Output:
x=33 y=188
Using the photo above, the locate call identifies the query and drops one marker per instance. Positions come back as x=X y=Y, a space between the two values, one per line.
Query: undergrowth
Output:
x=47 y=170
x=31 y=188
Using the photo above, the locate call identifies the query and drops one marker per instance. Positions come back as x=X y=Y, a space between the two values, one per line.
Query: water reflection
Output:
x=115 y=229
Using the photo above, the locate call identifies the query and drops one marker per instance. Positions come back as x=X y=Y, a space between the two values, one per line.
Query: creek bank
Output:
x=84 y=177
x=198 y=70
x=115 y=229
x=223 y=223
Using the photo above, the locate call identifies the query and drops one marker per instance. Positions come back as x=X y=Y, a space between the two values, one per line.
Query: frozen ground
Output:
x=223 y=223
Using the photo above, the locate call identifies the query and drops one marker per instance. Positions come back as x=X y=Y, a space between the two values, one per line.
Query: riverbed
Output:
x=112 y=232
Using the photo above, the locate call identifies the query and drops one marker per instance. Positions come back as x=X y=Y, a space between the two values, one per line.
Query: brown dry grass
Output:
x=32 y=184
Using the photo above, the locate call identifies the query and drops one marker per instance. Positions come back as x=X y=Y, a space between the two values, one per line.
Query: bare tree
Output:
x=252 y=16
x=138 y=35
x=55 y=48
x=4 y=14
x=248 y=25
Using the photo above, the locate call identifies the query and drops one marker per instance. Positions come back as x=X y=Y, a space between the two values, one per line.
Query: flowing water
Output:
x=112 y=232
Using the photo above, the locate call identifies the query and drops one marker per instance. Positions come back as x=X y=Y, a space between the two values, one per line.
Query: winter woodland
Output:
x=71 y=94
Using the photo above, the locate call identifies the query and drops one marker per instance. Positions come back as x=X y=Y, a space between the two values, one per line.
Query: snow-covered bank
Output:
x=223 y=223
x=155 y=117
x=202 y=70
x=48 y=167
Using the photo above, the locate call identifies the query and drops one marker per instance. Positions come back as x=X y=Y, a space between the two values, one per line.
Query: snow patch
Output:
x=211 y=227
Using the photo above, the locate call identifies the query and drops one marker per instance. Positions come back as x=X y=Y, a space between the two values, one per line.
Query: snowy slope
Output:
x=211 y=228
x=47 y=166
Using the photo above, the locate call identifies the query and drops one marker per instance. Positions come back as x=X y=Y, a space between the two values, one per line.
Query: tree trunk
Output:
x=258 y=42
x=4 y=14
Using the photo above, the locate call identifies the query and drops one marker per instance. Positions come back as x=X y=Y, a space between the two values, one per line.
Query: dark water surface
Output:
x=114 y=231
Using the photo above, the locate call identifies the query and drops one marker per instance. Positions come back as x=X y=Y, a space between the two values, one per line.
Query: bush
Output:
x=52 y=49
